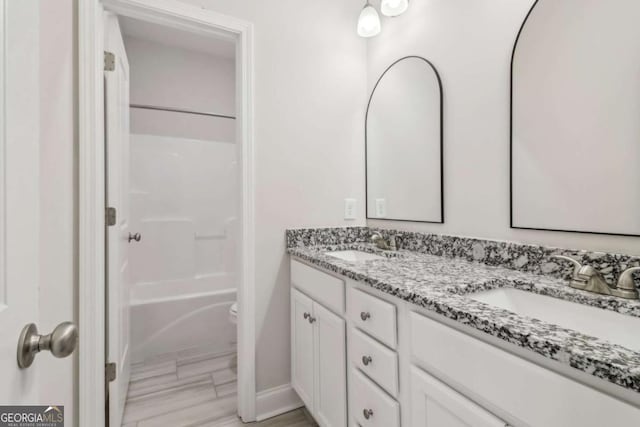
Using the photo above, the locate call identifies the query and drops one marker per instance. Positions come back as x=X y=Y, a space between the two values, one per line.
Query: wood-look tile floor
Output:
x=192 y=388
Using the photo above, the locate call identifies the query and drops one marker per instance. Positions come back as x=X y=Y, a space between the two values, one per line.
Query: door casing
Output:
x=92 y=207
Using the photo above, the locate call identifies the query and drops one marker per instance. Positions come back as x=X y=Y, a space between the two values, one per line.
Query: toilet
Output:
x=233 y=313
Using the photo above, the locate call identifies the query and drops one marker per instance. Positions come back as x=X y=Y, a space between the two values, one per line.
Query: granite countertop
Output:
x=442 y=284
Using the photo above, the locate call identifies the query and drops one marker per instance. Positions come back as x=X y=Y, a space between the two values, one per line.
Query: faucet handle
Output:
x=576 y=264
x=393 y=242
x=625 y=281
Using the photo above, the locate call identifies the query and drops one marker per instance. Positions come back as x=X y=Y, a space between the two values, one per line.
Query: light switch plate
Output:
x=349 y=208
x=381 y=208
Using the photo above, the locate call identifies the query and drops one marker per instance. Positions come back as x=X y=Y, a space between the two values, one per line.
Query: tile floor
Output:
x=192 y=388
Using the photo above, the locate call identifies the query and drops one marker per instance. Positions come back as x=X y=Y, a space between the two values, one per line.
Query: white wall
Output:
x=470 y=44
x=310 y=98
x=173 y=77
x=58 y=195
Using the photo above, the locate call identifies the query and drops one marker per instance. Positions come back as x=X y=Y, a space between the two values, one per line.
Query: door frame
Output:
x=91 y=171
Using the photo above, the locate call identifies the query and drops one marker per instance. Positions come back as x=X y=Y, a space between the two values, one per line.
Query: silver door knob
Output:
x=365 y=315
x=137 y=237
x=366 y=360
x=61 y=342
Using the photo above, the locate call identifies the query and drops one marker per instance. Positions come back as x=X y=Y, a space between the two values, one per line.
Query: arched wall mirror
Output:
x=404 y=144
x=575 y=118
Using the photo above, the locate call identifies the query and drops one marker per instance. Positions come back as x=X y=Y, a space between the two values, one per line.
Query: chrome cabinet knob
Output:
x=137 y=237
x=61 y=342
x=366 y=360
x=368 y=413
x=306 y=316
x=312 y=319
x=364 y=316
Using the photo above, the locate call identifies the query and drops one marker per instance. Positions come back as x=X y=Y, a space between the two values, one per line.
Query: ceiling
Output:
x=177 y=38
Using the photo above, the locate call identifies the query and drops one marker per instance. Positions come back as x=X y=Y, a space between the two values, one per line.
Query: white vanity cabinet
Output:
x=318 y=348
x=403 y=366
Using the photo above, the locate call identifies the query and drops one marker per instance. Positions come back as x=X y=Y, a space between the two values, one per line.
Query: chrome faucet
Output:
x=382 y=243
x=587 y=278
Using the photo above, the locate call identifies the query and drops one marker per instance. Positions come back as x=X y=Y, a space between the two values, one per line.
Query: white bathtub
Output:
x=169 y=316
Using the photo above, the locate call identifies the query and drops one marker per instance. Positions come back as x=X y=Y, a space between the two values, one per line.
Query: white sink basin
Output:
x=353 y=256
x=604 y=324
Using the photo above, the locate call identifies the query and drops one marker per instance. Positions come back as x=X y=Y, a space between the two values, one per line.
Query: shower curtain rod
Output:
x=180 y=110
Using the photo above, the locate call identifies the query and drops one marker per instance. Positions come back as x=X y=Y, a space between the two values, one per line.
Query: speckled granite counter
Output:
x=442 y=284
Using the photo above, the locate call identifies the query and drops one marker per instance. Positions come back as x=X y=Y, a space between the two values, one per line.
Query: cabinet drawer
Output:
x=375 y=360
x=366 y=397
x=320 y=286
x=373 y=315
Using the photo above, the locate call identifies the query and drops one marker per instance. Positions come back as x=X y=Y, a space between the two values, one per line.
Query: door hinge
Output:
x=111 y=217
x=110 y=372
x=109 y=61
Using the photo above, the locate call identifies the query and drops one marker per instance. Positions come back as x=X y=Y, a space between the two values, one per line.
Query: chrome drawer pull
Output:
x=364 y=316
x=366 y=360
x=306 y=316
x=312 y=319
x=368 y=413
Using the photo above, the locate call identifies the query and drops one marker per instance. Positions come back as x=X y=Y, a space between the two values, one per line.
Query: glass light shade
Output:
x=394 y=7
x=369 y=22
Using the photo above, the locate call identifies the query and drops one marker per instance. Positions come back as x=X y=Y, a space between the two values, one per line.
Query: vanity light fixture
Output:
x=369 y=21
x=394 y=7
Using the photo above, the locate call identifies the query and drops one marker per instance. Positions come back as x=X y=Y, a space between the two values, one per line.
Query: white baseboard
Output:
x=276 y=401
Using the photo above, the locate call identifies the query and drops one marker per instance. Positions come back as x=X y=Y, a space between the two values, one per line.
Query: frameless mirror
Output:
x=404 y=144
x=575 y=111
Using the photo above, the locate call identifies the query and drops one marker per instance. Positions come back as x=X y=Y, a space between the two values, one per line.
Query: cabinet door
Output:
x=434 y=404
x=331 y=368
x=302 y=347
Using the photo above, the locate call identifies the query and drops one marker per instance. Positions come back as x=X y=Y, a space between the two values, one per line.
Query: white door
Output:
x=302 y=351
x=331 y=368
x=117 y=167
x=434 y=404
x=19 y=193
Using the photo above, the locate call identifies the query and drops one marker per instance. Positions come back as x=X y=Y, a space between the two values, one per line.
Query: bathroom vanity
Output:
x=456 y=332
